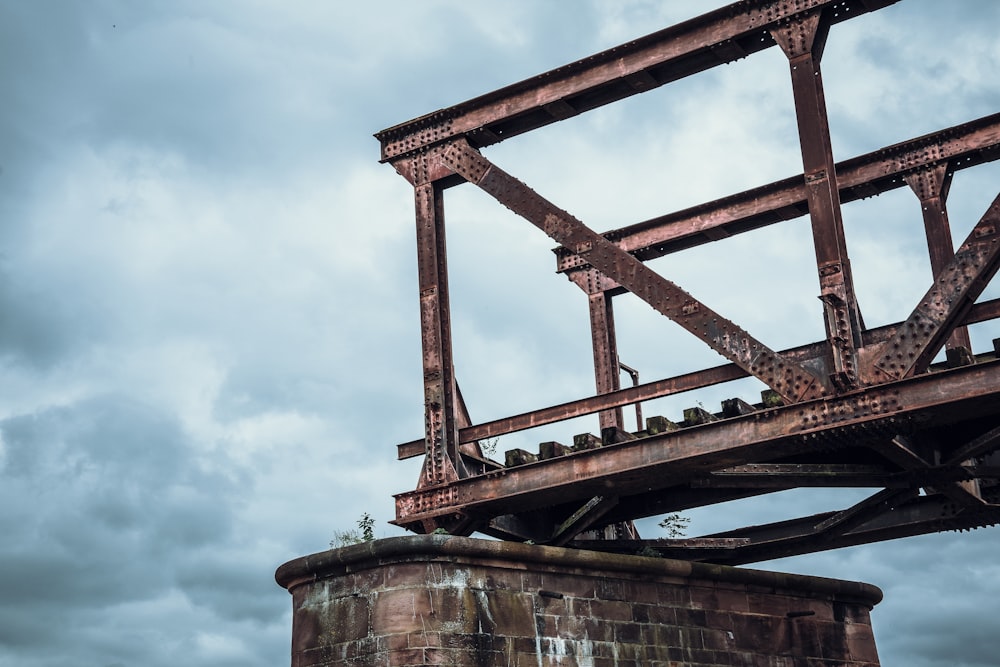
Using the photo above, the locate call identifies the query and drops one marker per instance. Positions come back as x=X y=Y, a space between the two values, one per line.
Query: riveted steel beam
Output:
x=781 y=476
x=792 y=381
x=931 y=185
x=963 y=490
x=802 y=39
x=909 y=516
x=657 y=462
x=858 y=408
x=953 y=293
x=986 y=443
x=582 y=519
x=606 y=372
x=862 y=512
x=962 y=146
x=713 y=39
x=602 y=334
x=441 y=405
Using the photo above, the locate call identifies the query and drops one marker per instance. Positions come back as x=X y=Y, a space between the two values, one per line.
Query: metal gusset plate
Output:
x=953 y=293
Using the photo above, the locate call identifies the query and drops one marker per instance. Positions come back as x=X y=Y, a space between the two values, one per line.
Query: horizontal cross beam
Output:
x=962 y=146
x=781 y=476
x=713 y=39
x=985 y=444
x=909 y=517
x=656 y=462
x=862 y=512
x=902 y=452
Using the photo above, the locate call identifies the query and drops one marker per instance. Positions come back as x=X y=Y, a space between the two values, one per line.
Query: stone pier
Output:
x=443 y=600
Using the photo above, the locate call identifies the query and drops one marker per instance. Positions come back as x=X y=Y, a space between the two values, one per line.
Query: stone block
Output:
x=611 y=610
x=736 y=407
x=552 y=449
x=656 y=425
x=506 y=613
x=518 y=457
x=583 y=441
x=698 y=415
x=611 y=435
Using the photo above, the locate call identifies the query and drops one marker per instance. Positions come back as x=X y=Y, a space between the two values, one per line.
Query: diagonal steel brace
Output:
x=902 y=451
x=582 y=519
x=862 y=512
x=791 y=380
x=956 y=288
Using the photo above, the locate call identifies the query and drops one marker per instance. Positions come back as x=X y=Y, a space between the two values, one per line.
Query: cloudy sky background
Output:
x=210 y=340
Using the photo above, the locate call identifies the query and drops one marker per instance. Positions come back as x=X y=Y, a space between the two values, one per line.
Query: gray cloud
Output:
x=103 y=498
x=210 y=336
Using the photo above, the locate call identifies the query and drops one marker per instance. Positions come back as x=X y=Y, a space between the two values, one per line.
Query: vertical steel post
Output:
x=442 y=463
x=598 y=288
x=606 y=372
x=931 y=186
x=802 y=39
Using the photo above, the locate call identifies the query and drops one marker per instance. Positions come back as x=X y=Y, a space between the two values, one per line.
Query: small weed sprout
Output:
x=365 y=532
x=366 y=524
x=675 y=525
x=489 y=446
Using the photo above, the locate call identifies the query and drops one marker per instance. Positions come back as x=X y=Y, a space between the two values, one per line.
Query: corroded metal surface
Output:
x=957 y=285
x=960 y=147
x=861 y=408
x=786 y=377
x=714 y=39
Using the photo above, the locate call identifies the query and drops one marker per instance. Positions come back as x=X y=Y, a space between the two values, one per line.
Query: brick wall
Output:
x=441 y=600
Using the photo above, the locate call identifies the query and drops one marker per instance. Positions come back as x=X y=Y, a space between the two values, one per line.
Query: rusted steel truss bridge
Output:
x=865 y=407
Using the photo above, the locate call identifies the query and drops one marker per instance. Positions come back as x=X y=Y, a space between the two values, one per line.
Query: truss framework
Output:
x=861 y=408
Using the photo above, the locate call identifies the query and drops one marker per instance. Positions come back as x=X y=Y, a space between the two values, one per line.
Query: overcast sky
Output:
x=210 y=339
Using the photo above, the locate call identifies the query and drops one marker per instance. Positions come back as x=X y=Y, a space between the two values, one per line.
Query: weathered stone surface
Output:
x=552 y=449
x=518 y=457
x=583 y=441
x=442 y=600
x=660 y=424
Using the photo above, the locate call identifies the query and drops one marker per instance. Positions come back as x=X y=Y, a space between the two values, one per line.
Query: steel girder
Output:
x=786 y=377
x=813 y=432
x=862 y=408
x=955 y=148
x=710 y=40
